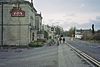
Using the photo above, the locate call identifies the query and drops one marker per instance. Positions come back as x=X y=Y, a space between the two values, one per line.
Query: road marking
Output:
x=87 y=58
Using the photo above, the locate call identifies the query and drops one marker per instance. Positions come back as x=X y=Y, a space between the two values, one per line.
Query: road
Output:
x=90 y=48
x=37 y=57
x=48 y=56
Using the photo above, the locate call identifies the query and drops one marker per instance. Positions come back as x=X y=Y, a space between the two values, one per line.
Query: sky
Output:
x=70 y=13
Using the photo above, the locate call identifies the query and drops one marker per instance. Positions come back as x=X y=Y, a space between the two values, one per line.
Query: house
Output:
x=18 y=22
x=38 y=25
x=82 y=32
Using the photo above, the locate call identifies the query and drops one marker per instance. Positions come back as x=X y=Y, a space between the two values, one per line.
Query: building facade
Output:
x=38 y=23
x=79 y=34
x=18 y=22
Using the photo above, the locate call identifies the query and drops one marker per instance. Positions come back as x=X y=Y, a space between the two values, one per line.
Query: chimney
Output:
x=32 y=2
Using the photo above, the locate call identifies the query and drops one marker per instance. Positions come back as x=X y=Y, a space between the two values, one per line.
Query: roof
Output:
x=38 y=15
x=21 y=2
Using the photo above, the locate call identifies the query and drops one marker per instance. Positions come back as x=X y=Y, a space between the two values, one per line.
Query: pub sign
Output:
x=17 y=12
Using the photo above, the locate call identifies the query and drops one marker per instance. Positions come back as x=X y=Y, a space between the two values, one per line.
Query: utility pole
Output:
x=93 y=29
x=18 y=7
x=1 y=24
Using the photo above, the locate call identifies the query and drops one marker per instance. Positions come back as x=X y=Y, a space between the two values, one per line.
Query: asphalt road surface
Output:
x=48 y=56
x=37 y=57
x=90 y=48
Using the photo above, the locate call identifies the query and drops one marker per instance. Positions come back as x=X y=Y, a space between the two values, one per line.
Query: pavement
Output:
x=47 y=56
x=67 y=57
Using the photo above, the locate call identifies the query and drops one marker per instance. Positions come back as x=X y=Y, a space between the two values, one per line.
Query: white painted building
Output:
x=82 y=32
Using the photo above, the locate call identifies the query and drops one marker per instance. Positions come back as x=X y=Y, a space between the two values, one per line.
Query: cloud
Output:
x=77 y=20
x=68 y=13
x=98 y=18
x=68 y=24
x=88 y=25
x=82 y=5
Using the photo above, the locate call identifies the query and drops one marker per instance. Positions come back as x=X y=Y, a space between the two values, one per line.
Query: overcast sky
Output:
x=68 y=13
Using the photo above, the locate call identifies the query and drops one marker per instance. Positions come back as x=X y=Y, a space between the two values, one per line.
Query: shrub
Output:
x=97 y=36
x=38 y=43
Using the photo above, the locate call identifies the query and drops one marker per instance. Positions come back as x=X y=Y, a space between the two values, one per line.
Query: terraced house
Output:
x=18 y=22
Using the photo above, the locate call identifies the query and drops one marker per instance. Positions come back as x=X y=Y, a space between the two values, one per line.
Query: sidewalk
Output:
x=67 y=58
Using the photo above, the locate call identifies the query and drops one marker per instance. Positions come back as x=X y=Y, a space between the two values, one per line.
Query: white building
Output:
x=78 y=34
x=82 y=32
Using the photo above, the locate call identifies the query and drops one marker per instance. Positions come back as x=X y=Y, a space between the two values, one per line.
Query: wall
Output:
x=16 y=29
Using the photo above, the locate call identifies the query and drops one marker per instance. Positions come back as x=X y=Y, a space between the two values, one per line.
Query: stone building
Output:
x=18 y=22
x=38 y=23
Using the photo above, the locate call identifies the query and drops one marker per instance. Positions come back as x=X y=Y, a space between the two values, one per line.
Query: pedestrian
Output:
x=60 y=40
x=63 y=40
x=57 y=43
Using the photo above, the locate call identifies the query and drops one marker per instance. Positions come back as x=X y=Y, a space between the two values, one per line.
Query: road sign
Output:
x=52 y=29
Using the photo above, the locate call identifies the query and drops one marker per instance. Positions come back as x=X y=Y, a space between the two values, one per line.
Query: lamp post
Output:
x=1 y=24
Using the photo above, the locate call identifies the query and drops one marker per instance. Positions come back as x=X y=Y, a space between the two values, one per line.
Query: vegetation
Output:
x=65 y=33
x=92 y=36
x=38 y=43
x=51 y=42
x=97 y=36
x=71 y=31
x=46 y=34
x=58 y=31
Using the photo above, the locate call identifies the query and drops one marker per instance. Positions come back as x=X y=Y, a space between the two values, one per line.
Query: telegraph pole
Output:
x=1 y=24
x=93 y=29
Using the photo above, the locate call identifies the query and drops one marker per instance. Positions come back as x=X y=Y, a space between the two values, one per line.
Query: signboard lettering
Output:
x=17 y=12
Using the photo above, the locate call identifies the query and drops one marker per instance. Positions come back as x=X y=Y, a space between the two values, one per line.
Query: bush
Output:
x=38 y=43
x=97 y=36
x=88 y=37
x=51 y=42
x=34 y=45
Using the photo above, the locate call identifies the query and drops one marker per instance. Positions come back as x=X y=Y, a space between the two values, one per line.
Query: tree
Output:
x=71 y=31
x=45 y=34
x=58 y=31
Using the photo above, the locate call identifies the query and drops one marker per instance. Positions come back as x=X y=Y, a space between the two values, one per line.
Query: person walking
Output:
x=63 y=40
x=57 y=43
x=60 y=40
